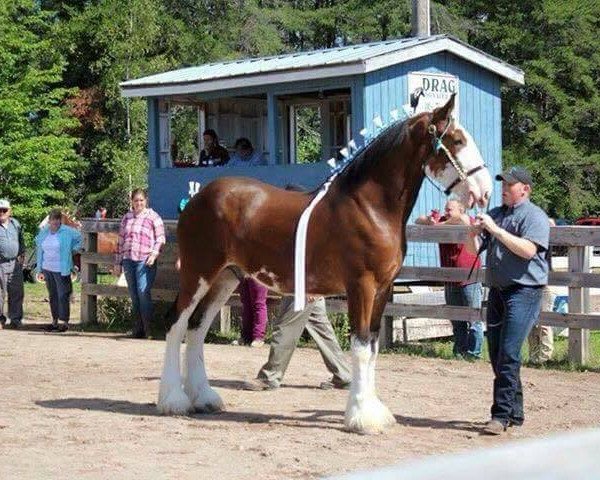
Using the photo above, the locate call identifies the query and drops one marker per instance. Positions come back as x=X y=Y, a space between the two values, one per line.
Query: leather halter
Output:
x=438 y=144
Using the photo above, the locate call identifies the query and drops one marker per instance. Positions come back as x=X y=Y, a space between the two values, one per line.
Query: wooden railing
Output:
x=579 y=279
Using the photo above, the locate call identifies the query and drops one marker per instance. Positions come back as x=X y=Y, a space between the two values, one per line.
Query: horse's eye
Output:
x=458 y=142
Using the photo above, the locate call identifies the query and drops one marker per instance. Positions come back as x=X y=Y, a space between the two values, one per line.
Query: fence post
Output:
x=579 y=339
x=225 y=319
x=89 y=275
x=386 y=332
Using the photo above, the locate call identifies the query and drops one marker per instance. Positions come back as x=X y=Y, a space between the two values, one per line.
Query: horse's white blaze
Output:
x=172 y=400
x=364 y=411
x=201 y=395
x=469 y=157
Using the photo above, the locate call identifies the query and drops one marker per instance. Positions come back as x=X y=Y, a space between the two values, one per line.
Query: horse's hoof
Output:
x=371 y=418
x=208 y=401
x=209 y=408
x=176 y=402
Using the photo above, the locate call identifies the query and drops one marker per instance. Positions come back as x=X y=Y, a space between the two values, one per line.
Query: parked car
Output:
x=593 y=221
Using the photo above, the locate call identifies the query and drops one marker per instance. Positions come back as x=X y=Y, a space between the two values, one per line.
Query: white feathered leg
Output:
x=172 y=400
x=204 y=399
x=365 y=413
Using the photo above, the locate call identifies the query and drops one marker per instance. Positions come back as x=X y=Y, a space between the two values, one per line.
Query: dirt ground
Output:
x=82 y=405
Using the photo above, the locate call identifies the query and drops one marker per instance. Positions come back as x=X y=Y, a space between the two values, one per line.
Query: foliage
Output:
x=68 y=138
x=550 y=125
x=341 y=327
x=37 y=160
x=308 y=134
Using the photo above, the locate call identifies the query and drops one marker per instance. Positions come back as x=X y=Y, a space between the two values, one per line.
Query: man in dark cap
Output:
x=516 y=237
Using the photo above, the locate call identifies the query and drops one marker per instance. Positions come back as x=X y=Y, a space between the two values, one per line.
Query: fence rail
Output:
x=579 y=279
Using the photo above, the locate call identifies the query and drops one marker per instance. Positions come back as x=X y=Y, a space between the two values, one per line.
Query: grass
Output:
x=114 y=315
x=560 y=360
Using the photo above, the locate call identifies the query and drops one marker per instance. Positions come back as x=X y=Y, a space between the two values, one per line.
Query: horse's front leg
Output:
x=364 y=412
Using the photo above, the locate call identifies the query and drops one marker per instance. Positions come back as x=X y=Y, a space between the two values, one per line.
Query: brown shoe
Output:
x=258 y=385
x=493 y=427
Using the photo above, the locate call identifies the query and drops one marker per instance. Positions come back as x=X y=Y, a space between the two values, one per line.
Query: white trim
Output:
x=244 y=81
x=136 y=88
x=515 y=76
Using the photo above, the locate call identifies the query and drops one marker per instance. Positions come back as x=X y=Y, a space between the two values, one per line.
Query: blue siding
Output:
x=373 y=94
x=169 y=185
x=479 y=114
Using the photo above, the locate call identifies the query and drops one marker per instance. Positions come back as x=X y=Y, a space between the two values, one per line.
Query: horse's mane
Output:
x=369 y=156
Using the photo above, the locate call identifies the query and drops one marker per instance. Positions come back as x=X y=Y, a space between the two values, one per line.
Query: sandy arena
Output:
x=83 y=406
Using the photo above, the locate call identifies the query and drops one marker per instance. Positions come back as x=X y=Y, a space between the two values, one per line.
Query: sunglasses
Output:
x=3 y=210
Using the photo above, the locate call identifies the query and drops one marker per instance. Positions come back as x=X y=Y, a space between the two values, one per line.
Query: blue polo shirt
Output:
x=505 y=268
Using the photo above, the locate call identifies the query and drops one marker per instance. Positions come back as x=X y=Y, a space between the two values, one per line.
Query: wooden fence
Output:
x=579 y=279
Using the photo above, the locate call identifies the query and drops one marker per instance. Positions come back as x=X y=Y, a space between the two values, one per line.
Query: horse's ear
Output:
x=443 y=113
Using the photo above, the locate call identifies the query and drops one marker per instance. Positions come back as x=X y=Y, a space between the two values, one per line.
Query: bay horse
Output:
x=355 y=245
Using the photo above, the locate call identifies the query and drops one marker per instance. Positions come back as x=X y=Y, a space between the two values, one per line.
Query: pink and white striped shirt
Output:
x=140 y=235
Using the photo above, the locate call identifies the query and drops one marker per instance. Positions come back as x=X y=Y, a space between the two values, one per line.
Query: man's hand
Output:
x=487 y=223
x=21 y=258
x=117 y=270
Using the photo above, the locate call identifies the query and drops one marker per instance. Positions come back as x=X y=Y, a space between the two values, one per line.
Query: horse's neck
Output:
x=397 y=180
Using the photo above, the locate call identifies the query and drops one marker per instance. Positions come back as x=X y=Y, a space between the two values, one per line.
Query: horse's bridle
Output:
x=438 y=144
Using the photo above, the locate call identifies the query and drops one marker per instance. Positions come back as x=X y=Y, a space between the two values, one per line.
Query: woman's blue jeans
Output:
x=511 y=312
x=468 y=336
x=140 y=278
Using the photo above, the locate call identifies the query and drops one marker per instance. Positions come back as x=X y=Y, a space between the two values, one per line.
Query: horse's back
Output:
x=241 y=221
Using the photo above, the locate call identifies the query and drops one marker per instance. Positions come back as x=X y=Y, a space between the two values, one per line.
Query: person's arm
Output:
x=425 y=220
x=21 y=254
x=159 y=239
x=76 y=242
x=120 y=244
x=521 y=247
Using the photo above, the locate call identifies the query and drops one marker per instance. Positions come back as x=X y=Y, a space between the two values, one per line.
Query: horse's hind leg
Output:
x=172 y=400
x=200 y=393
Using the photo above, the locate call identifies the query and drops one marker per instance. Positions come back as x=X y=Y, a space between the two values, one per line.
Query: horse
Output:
x=355 y=245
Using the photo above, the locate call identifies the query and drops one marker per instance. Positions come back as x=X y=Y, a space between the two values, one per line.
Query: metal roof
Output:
x=331 y=62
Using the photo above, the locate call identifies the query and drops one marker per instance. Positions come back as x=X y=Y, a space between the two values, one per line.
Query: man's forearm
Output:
x=519 y=246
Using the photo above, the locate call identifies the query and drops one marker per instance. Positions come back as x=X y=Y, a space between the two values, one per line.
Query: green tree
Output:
x=38 y=162
x=552 y=124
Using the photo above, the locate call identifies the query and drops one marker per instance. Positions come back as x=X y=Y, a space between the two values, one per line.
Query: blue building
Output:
x=346 y=88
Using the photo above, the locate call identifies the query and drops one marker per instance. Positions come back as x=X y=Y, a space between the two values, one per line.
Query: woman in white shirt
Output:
x=55 y=245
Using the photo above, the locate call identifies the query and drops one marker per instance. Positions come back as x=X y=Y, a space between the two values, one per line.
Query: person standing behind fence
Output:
x=253 y=296
x=141 y=237
x=541 y=337
x=12 y=253
x=55 y=245
x=516 y=236
x=468 y=336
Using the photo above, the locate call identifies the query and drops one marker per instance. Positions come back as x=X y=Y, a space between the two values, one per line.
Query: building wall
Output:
x=169 y=185
x=480 y=114
x=373 y=94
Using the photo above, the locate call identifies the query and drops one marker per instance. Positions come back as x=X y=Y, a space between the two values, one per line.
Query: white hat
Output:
x=4 y=203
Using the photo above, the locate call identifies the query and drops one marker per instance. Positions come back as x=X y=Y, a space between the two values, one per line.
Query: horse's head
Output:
x=455 y=161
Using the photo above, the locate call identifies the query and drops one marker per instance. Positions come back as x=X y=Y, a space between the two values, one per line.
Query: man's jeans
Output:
x=140 y=278
x=468 y=337
x=511 y=312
